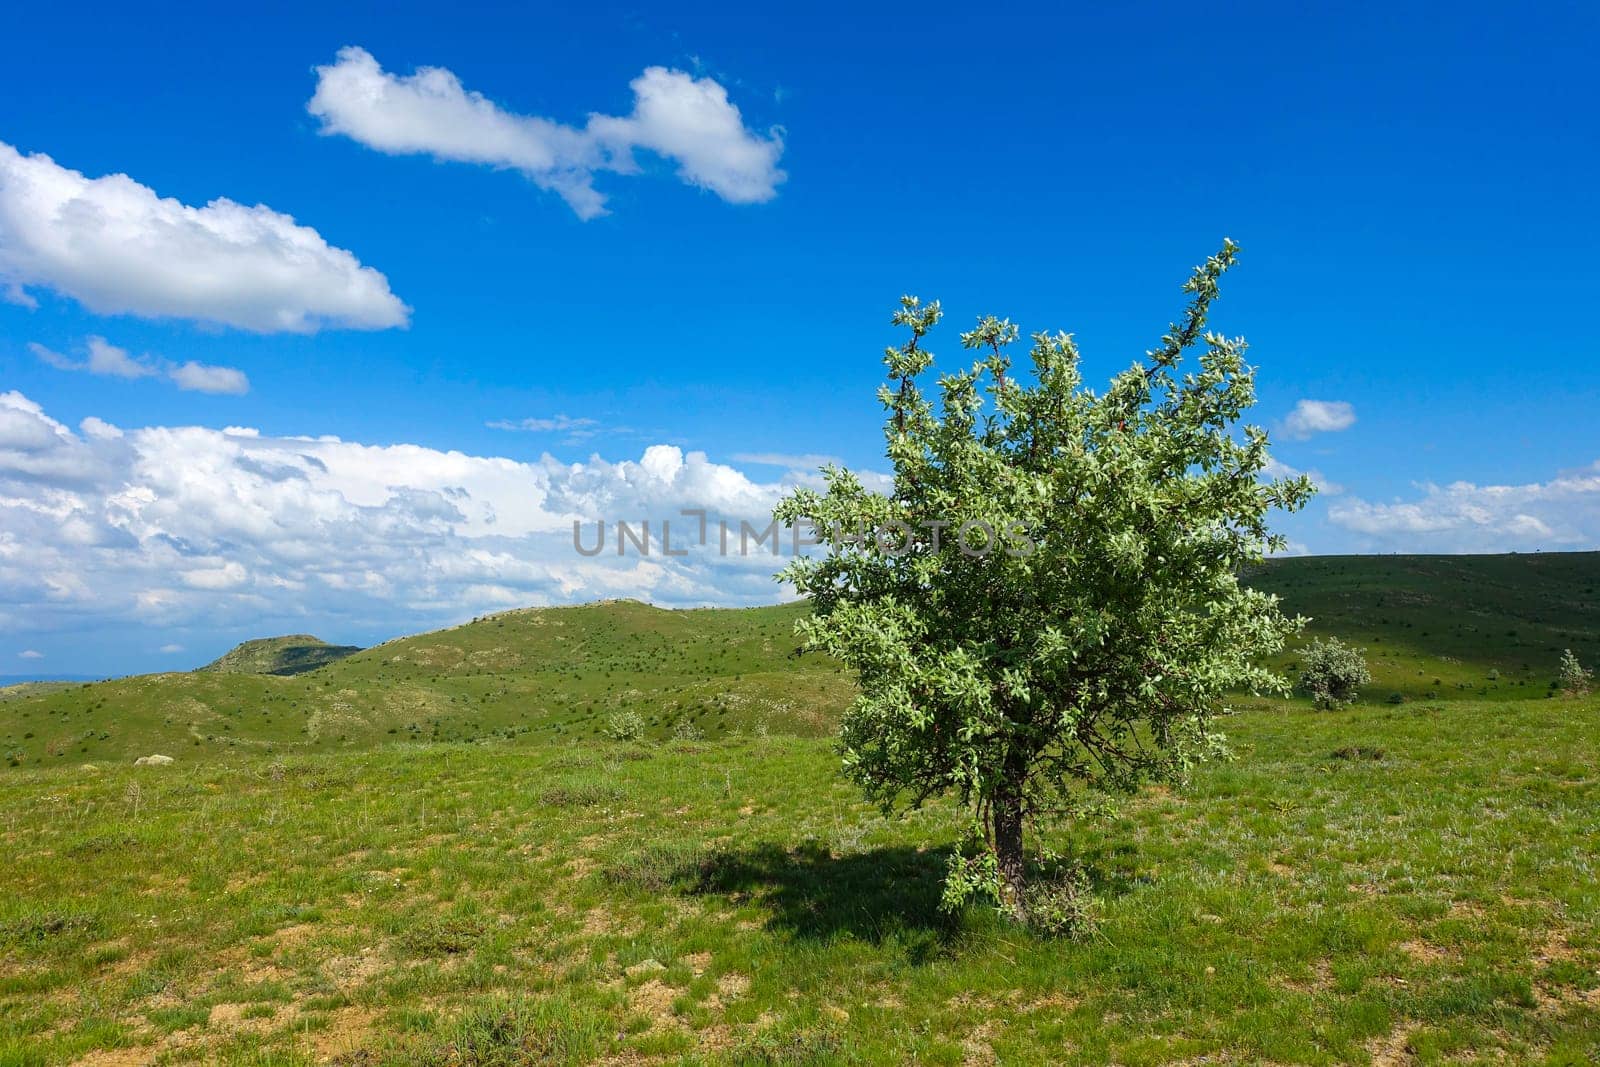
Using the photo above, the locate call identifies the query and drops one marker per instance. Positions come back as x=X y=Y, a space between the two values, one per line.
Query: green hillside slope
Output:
x=546 y=672
x=292 y=654
x=1435 y=628
x=1436 y=625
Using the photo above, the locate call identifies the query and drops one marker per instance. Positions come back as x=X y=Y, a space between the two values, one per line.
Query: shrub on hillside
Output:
x=1332 y=673
x=1575 y=679
x=625 y=726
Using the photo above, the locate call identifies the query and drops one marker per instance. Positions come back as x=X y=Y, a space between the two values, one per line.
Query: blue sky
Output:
x=1413 y=188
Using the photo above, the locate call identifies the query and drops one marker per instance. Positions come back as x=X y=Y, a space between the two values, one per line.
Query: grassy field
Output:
x=1432 y=898
x=429 y=853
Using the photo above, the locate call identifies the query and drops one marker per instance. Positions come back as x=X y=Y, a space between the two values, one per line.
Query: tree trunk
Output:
x=1008 y=848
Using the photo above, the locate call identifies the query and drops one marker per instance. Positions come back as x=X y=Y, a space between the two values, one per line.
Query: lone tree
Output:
x=1047 y=603
x=1332 y=673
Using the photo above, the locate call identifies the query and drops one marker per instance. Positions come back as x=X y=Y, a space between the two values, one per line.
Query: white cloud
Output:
x=807 y=461
x=688 y=120
x=205 y=378
x=116 y=247
x=170 y=649
x=168 y=526
x=54 y=358
x=107 y=359
x=35 y=447
x=13 y=293
x=99 y=428
x=554 y=424
x=1276 y=468
x=1318 y=416
x=30 y=654
x=1562 y=513
x=691 y=121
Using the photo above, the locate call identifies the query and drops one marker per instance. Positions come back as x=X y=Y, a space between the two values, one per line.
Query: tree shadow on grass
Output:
x=878 y=895
x=889 y=894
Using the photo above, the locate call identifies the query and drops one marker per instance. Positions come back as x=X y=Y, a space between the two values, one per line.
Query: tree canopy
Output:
x=1049 y=600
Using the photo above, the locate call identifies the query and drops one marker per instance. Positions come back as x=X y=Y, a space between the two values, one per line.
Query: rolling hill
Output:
x=292 y=654
x=1435 y=627
x=546 y=672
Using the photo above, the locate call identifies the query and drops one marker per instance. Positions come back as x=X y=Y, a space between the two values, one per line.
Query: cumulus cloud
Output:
x=1318 y=416
x=1562 y=513
x=173 y=526
x=36 y=448
x=117 y=247
x=30 y=654
x=688 y=120
x=107 y=359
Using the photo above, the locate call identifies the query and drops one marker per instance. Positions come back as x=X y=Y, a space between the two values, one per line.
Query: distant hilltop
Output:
x=293 y=654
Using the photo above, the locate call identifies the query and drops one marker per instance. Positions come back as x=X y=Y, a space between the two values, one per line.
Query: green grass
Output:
x=733 y=901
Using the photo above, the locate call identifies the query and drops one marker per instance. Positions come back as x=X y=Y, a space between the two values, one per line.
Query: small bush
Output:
x=625 y=726
x=580 y=795
x=658 y=867
x=34 y=928
x=1332 y=673
x=773 y=1045
x=444 y=935
x=1357 y=752
x=1397 y=698
x=1061 y=905
x=517 y=1031
x=1574 y=678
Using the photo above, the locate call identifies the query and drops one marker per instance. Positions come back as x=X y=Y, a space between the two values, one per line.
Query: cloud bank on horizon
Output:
x=171 y=526
x=168 y=526
x=688 y=120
